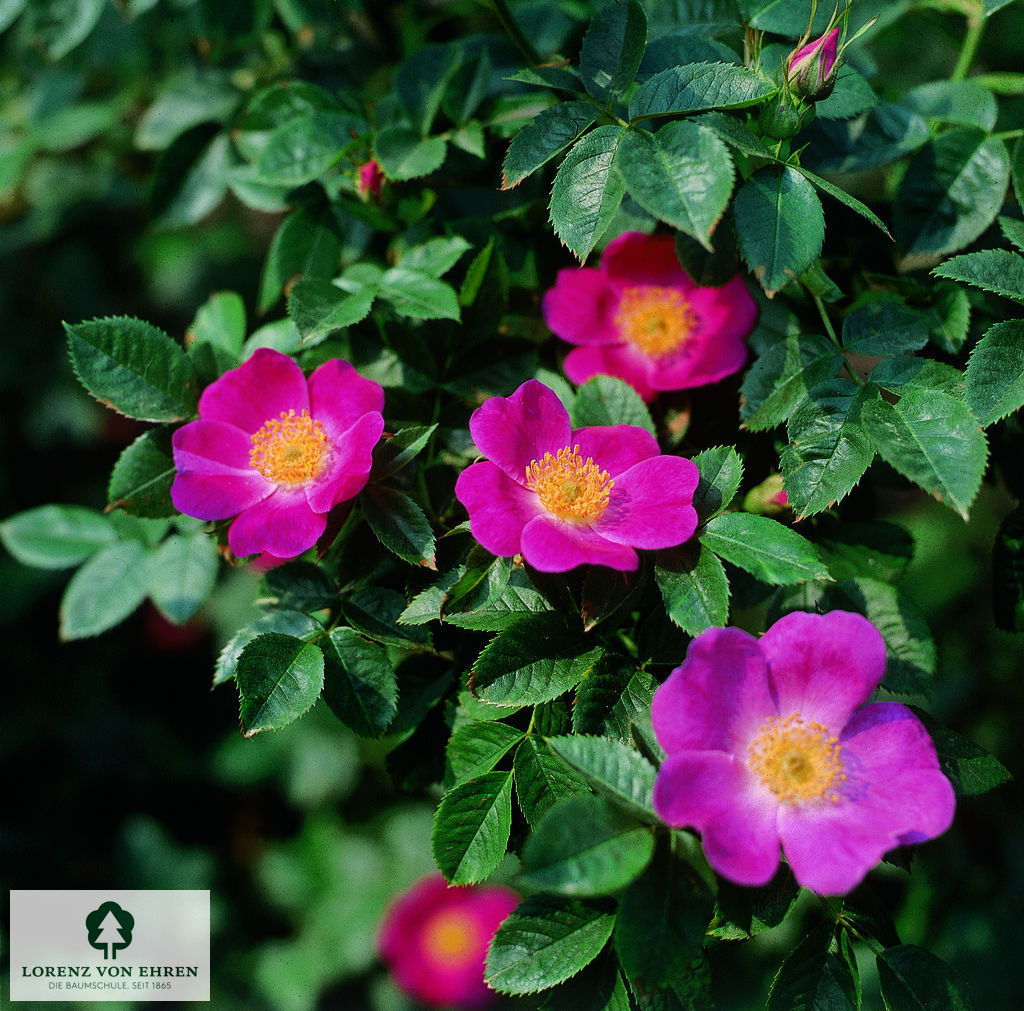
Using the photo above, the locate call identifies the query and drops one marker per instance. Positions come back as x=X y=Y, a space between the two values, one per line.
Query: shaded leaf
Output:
x=279 y=678
x=471 y=828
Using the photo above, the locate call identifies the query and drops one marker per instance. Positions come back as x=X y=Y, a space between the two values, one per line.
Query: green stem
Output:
x=515 y=33
x=975 y=27
x=826 y=321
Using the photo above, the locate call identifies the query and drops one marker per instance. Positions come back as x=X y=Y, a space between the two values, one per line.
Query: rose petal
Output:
x=618 y=360
x=512 y=432
x=581 y=307
x=824 y=665
x=615 y=448
x=339 y=396
x=553 y=546
x=498 y=508
x=260 y=389
x=282 y=525
x=348 y=464
x=634 y=258
x=651 y=504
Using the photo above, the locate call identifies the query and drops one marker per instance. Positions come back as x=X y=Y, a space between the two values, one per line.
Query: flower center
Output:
x=654 y=319
x=568 y=486
x=450 y=937
x=289 y=449
x=797 y=760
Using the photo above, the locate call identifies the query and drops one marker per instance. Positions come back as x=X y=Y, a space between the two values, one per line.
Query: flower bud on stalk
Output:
x=811 y=70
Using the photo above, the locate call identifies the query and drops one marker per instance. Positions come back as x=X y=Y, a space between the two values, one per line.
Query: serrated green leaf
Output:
x=500 y=600
x=813 y=977
x=56 y=536
x=952 y=191
x=932 y=439
x=682 y=174
x=216 y=335
x=534 y=660
x=399 y=524
x=901 y=375
x=846 y=199
x=878 y=550
x=294 y=624
x=542 y=778
x=544 y=138
x=392 y=454
x=694 y=588
x=913 y=979
x=970 y=768
x=997 y=270
x=279 y=678
x=612 y=49
x=404 y=154
x=472 y=826
x=436 y=256
x=304 y=148
x=994 y=380
x=105 y=590
x=374 y=612
x=780 y=225
x=736 y=135
x=360 y=686
x=721 y=471
x=696 y=87
x=828 y=451
x=607 y=400
x=305 y=245
x=319 y=308
x=884 y=327
x=182 y=574
x=614 y=769
x=141 y=480
x=606 y=697
x=765 y=548
x=546 y=940
x=476 y=747
x=584 y=847
x=134 y=368
x=300 y=586
x=420 y=81
x=420 y=295
x=587 y=190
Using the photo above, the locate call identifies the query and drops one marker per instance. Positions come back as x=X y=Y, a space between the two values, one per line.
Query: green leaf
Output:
x=293 y=624
x=901 y=375
x=780 y=225
x=736 y=135
x=1007 y=572
x=320 y=308
x=279 y=678
x=584 y=847
x=476 y=747
x=58 y=26
x=404 y=154
x=587 y=190
x=360 y=686
x=184 y=101
x=765 y=548
x=303 y=149
x=606 y=400
x=932 y=439
x=879 y=550
x=501 y=599
x=1017 y=169
x=141 y=480
x=390 y=455
x=614 y=769
x=913 y=979
x=696 y=87
x=606 y=696
x=191 y=179
x=884 y=327
x=436 y=256
x=105 y=590
x=683 y=175
x=612 y=49
x=304 y=245
x=216 y=335
x=399 y=524
x=694 y=587
x=952 y=191
x=374 y=612
x=134 y=368
x=56 y=536
x=546 y=940
x=548 y=135
x=963 y=103
x=970 y=768
x=183 y=572
x=721 y=471
x=815 y=978
x=534 y=660
x=997 y=270
x=846 y=199
x=421 y=79
x=994 y=380
x=420 y=295
x=300 y=586
x=829 y=451
x=542 y=778
x=471 y=828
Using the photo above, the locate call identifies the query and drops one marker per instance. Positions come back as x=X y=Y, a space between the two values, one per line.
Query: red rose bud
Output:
x=371 y=180
x=811 y=71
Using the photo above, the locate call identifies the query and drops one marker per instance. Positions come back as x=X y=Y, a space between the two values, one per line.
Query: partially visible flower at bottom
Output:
x=434 y=940
x=766 y=746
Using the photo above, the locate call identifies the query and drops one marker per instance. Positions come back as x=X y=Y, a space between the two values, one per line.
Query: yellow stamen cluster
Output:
x=797 y=760
x=570 y=487
x=450 y=937
x=654 y=319
x=289 y=449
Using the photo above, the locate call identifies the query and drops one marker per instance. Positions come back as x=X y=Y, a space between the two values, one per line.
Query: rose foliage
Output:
x=595 y=347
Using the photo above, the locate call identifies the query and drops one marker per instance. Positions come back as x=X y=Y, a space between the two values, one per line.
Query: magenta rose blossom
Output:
x=434 y=940
x=639 y=316
x=565 y=497
x=766 y=746
x=276 y=451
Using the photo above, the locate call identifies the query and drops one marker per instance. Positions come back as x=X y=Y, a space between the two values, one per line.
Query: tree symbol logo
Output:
x=110 y=928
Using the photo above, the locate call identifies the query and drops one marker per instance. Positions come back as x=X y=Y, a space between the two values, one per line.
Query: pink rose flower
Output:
x=766 y=746
x=639 y=316
x=811 y=70
x=371 y=180
x=276 y=451
x=434 y=940
x=565 y=497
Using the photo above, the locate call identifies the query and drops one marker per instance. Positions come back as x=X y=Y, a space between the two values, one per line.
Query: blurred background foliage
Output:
x=122 y=768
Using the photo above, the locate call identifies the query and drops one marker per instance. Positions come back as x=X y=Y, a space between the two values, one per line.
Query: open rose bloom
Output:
x=276 y=451
x=639 y=316
x=766 y=746
x=565 y=497
x=434 y=940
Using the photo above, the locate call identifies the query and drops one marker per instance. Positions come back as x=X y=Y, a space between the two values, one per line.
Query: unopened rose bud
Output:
x=811 y=71
x=371 y=179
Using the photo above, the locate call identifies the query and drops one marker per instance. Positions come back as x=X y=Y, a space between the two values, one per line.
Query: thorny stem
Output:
x=515 y=33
